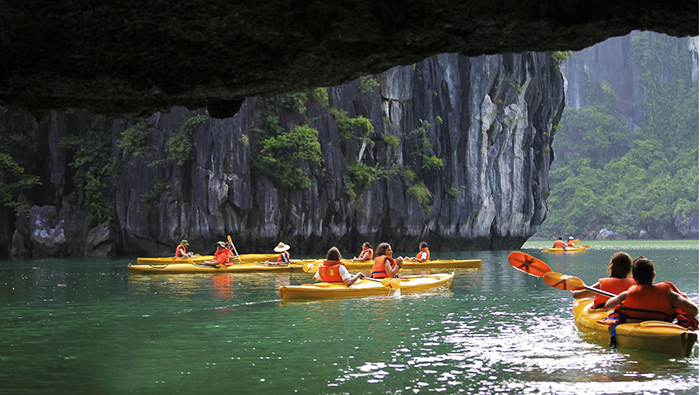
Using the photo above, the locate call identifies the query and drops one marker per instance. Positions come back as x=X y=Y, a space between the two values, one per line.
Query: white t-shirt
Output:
x=423 y=255
x=342 y=270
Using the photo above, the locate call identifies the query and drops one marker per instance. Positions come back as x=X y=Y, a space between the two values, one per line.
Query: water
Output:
x=87 y=326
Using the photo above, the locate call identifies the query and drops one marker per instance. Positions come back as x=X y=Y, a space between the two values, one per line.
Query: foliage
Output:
x=13 y=182
x=392 y=140
x=368 y=83
x=282 y=156
x=423 y=194
x=158 y=188
x=134 y=139
x=179 y=146
x=295 y=101
x=95 y=168
x=349 y=127
x=363 y=175
x=454 y=192
x=561 y=57
x=320 y=95
x=608 y=176
x=425 y=151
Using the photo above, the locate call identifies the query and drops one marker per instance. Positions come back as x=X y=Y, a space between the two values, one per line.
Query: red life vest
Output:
x=283 y=254
x=649 y=302
x=330 y=272
x=366 y=254
x=379 y=269
x=422 y=250
x=559 y=244
x=614 y=285
x=570 y=244
x=177 y=251
x=221 y=257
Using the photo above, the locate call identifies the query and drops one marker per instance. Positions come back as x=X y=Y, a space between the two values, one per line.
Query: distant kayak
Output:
x=658 y=336
x=567 y=249
x=245 y=258
x=367 y=287
x=297 y=265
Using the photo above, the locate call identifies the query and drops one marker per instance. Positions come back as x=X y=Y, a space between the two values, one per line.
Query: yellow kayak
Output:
x=296 y=265
x=658 y=336
x=368 y=287
x=436 y=263
x=245 y=258
x=568 y=249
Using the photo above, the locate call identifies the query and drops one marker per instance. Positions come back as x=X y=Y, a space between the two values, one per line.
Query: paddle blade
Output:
x=563 y=281
x=528 y=264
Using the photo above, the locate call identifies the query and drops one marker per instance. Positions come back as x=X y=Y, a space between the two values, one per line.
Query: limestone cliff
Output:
x=457 y=155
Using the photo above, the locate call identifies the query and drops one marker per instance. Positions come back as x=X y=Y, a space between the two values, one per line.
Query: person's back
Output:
x=559 y=243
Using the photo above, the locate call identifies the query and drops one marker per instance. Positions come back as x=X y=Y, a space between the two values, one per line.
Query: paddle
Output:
x=528 y=264
x=571 y=283
x=387 y=282
x=234 y=248
x=575 y=240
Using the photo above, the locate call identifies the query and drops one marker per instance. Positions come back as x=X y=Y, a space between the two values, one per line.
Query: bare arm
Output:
x=612 y=302
x=351 y=280
x=679 y=302
x=583 y=293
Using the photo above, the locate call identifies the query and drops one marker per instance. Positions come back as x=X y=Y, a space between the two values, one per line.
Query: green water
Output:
x=91 y=327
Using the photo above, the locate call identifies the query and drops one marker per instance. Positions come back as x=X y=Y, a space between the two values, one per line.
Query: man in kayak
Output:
x=333 y=271
x=423 y=254
x=221 y=256
x=647 y=301
x=283 y=257
x=559 y=243
x=384 y=265
x=367 y=254
x=181 y=250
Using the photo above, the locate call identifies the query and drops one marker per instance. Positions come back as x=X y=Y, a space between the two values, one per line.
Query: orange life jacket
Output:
x=330 y=272
x=366 y=254
x=283 y=255
x=422 y=250
x=614 y=285
x=649 y=302
x=559 y=244
x=570 y=244
x=379 y=269
x=221 y=257
x=177 y=251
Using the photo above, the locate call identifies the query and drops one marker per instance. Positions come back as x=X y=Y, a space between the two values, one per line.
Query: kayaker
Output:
x=422 y=255
x=647 y=301
x=570 y=242
x=366 y=254
x=620 y=279
x=333 y=271
x=384 y=265
x=283 y=258
x=181 y=250
x=559 y=243
x=221 y=256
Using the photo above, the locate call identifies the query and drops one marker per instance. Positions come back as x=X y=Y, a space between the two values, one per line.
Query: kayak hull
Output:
x=657 y=336
x=436 y=263
x=365 y=287
x=245 y=258
x=297 y=265
x=568 y=249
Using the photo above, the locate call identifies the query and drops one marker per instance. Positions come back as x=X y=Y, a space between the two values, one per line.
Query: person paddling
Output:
x=367 y=254
x=423 y=255
x=221 y=256
x=283 y=257
x=559 y=243
x=647 y=301
x=181 y=250
x=384 y=265
x=620 y=269
x=333 y=271
x=570 y=242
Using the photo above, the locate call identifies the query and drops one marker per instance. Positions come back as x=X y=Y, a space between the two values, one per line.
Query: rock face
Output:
x=131 y=58
x=488 y=119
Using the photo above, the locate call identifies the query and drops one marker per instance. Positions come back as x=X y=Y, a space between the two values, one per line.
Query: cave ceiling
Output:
x=132 y=58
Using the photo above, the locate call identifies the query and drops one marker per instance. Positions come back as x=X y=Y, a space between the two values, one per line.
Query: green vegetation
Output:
x=607 y=176
x=454 y=192
x=95 y=168
x=179 y=146
x=320 y=95
x=423 y=194
x=392 y=140
x=349 y=127
x=363 y=175
x=16 y=162
x=425 y=153
x=134 y=139
x=295 y=101
x=561 y=56
x=158 y=188
x=368 y=83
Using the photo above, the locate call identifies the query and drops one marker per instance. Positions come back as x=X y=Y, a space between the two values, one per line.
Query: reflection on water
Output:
x=86 y=326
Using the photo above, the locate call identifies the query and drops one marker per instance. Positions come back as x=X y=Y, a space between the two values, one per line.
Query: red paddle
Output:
x=528 y=264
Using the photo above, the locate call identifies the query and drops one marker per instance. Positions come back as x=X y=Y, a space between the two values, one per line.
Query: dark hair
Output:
x=367 y=245
x=381 y=249
x=620 y=265
x=333 y=254
x=559 y=237
x=423 y=245
x=643 y=270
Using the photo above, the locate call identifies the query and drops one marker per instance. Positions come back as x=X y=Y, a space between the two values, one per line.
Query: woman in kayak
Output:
x=333 y=271
x=647 y=301
x=620 y=269
x=422 y=255
x=283 y=257
x=384 y=265
x=367 y=254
